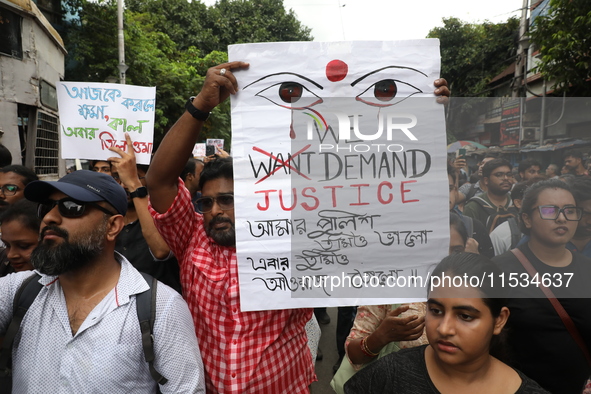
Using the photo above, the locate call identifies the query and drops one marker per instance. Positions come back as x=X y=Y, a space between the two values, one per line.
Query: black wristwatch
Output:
x=140 y=192
x=195 y=112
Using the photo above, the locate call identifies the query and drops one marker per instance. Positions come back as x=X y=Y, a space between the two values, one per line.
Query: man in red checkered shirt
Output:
x=243 y=352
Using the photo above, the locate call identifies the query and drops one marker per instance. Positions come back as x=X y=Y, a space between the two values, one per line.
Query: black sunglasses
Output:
x=68 y=208
x=225 y=202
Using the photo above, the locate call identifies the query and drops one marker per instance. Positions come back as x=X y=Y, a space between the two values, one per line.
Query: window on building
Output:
x=11 y=43
x=48 y=95
x=46 y=145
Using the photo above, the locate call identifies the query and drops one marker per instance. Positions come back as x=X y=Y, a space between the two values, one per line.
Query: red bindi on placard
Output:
x=336 y=70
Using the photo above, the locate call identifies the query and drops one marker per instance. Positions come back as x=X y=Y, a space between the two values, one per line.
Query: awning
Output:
x=555 y=146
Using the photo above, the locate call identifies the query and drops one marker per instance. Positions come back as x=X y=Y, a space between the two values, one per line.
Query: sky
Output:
x=337 y=20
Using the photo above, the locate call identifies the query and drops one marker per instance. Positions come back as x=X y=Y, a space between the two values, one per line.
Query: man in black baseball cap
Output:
x=82 y=327
x=79 y=214
x=82 y=186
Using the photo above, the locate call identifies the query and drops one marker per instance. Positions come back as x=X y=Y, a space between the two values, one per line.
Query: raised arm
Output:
x=127 y=171
x=177 y=145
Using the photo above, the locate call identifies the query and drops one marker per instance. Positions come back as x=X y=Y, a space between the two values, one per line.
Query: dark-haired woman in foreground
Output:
x=383 y=329
x=461 y=324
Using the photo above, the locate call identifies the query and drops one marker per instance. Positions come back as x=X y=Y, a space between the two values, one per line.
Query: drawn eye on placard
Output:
x=380 y=88
x=289 y=90
x=291 y=95
x=383 y=87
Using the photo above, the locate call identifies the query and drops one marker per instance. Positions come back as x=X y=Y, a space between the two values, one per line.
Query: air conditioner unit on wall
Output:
x=531 y=133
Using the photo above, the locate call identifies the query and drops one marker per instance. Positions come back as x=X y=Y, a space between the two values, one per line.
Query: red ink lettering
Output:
x=359 y=186
x=333 y=194
x=293 y=204
x=403 y=191
x=305 y=205
x=390 y=196
x=259 y=206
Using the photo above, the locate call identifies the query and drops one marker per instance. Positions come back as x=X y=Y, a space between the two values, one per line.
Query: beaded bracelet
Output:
x=365 y=349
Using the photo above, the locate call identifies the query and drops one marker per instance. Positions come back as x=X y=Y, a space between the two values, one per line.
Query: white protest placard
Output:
x=96 y=116
x=217 y=142
x=340 y=175
x=199 y=150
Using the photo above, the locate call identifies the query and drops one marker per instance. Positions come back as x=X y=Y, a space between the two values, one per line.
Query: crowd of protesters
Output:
x=89 y=238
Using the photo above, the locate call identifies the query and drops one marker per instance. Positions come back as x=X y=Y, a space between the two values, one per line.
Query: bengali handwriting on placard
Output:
x=96 y=116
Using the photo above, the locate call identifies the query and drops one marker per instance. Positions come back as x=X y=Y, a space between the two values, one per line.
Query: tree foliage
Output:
x=242 y=21
x=186 y=23
x=563 y=37
x=472 y=54
x=170 y=44
x=91 y=41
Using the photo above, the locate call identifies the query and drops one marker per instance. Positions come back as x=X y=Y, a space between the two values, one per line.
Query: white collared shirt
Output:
x=105 y=355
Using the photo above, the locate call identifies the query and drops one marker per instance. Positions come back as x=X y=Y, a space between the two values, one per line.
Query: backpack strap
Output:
x=515 y=232
x=23 y=299
x=146 y=312
x=562 y=313
x=469 y=223
x=30 y=288
x=471 y=192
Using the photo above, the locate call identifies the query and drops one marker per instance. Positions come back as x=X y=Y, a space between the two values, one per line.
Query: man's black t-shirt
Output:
x=132 y=244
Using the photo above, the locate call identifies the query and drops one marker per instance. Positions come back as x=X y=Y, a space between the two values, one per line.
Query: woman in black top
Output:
x=541 y=345
x=461 y=324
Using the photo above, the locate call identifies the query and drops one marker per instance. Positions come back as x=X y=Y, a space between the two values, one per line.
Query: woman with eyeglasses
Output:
x=20 y=234
x=13 y=180
x=542 y=346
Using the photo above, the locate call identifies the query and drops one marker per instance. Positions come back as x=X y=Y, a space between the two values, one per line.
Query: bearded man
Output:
x=81 y=333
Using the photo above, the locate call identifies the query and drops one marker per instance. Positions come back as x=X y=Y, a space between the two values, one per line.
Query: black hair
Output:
x=5 y=156
x=456 y=222
x=490 y=166
x=581 y=188
x=190 y=168
x=530 y=199
x=25 y=212
x=215 y=169
x=451 y=171
x=519 y=189
x=527 y=163
x=494 y=297
x=93 y=163
x=26 y=173
x=143 y=167
x=488 y=155
x=573 y=153
x=475 y=265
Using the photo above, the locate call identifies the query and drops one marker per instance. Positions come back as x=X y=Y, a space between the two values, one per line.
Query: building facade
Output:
x=32 y=57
